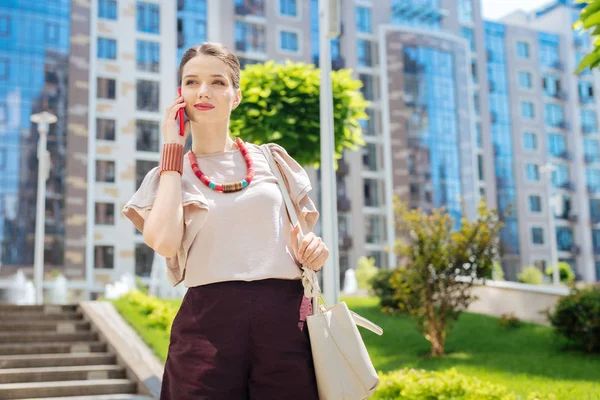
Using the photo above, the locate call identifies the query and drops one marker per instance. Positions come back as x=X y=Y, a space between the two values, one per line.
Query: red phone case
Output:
x=180 y=116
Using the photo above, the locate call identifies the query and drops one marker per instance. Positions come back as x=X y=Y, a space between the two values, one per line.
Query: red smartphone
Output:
x=180 y=115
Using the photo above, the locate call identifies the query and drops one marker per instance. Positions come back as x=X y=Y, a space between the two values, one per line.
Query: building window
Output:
x=4 y=63
x=249 y=37
x=537 y=235
x=372 y=194
x=592 y=177
x=288 y=41
x=363 y=19
x=147 y=136
x=554 y=115
x=4 y=25
x=368 y=88
x=148 y=17
x=467 y=33
x=142 y=167
x=107 y=49
x=52 y=32
x=588 y=121
x=364 y=53
x=105 y=129
x=374 y=229
x=551 y=85
x=525 y=80
x=564 y=238
x=595 y=210
x=532 y=172
x=478 y=136
x=557 y=144
x=549 y=50
x=370 y=159
x=530 y=141
x=148 y=95
x=105 y=214
x=560 y=176
x=288 y=8
x=147 y=56
x=250 y=7
x=523 y=49
x=535 y=203
x=527 y=109
x=104 y=257
x=368 y=125
x=465 y=10
x=144 y=256
x=105 y=171
x=586 y=92
x=107 y=9
x=480 y=167
x=107 y=88
x=591 y=150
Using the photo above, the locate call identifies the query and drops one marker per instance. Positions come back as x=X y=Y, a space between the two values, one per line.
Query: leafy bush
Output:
x=381 y=287
x=365 y=271
x=565 y=272
x=531 y=275
x=509 y=321
x=497 y=272
x=577 y=317
x=410 y=384
x=159 y=313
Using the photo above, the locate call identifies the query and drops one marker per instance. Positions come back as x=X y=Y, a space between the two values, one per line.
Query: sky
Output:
x=495 y=9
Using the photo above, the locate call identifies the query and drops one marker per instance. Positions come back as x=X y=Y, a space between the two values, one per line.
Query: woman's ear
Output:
x=237 y=99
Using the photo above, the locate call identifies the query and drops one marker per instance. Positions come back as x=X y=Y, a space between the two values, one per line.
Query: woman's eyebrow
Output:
x=212 y=76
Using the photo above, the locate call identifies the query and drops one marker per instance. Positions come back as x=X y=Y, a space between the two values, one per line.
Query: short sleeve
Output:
x=298 y=184
x=195 y=209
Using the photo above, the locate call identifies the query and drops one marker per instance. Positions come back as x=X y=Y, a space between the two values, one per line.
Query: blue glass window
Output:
x=4 y=63
x=523 y=49
x=107 y=49
x=363 y=19
x=527 y=109
x=537 y=235
x=148 y=17
x=530 y=141
x=289 y=41
x=595 y=210
x=586 y=92
x=107 y=9
x=591 y=149
x=364 y=53
x=525 y=80
x=532 y=172
x=592 y=177
x=467 y=33
x=557 y=144
x=288 y=7
x=465 y=10
x=551 y=84
x=549 y=50
x=249 y=37
x=560 y=175
x=4 y=25
x=588 y=121
x=148 y=56
x=596 y=240
x=564 y=238
x=554 y=115
x=535 y=203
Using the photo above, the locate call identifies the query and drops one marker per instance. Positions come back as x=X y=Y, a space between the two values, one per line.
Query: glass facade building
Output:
x=34 y=50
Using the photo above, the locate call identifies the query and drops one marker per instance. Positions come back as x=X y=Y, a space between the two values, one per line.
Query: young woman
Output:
x=218 y=216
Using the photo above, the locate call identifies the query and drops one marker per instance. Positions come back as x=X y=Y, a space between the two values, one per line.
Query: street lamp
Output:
x=43 y=120
x=547 y=170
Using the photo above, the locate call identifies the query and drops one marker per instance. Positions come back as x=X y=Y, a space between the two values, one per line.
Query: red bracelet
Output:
x=171 y=158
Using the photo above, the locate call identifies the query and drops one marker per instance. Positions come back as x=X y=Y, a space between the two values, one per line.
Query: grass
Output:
x=525 y=359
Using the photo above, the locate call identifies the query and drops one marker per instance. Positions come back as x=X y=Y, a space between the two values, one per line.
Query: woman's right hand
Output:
x=170 y=127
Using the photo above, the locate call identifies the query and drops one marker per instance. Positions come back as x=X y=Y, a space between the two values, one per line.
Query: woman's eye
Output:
x=188 y=82
x=219 y=82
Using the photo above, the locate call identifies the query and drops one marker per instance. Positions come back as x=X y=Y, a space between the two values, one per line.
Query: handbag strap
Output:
x=310 y=280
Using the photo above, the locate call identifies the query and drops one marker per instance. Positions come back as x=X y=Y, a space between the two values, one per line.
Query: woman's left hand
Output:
x=312 y=252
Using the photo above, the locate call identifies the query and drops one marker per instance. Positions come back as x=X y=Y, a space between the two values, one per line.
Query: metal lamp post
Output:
x=547 y=170
x=43 y=120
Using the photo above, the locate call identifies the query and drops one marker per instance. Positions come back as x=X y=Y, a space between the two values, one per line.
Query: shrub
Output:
x=381 y=287
x=565 y=272
x=577 y=317
x=531 y=275
x=365 y=271
x=410 y=384
x=509 y=321
x=497 y=272
x=159 y=313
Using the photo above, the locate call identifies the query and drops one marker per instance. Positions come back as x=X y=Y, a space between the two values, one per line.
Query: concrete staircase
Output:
x=51 y=352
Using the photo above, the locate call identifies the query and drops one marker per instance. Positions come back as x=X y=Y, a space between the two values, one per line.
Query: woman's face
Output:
x=207 y=89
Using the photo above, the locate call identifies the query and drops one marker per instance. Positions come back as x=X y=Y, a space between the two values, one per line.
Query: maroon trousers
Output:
x=241 y=340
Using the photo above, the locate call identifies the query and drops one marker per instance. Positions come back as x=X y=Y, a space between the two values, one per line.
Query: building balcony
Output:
x=562 y=125
x=561 y=95
x=558 y=66
x=568 y=185
x=338 y=63
x=565 y=155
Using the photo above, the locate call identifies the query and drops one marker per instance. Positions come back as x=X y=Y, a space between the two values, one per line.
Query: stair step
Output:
x=38 y=316
x=32 y=337
x=71 y=373
x=45 y=326
x=40 y=390
x=58 y=360
x=46 y=309
x=51 y=347
x=120 y=396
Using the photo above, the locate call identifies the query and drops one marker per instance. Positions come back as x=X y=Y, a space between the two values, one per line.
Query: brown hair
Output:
x=215 y=50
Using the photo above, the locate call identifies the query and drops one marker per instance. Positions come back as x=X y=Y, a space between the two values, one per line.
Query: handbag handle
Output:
x=310 y=280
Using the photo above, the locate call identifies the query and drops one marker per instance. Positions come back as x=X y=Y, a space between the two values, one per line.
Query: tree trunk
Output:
x=437 y=343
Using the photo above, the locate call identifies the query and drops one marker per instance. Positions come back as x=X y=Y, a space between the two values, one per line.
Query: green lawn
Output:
x=526 y=359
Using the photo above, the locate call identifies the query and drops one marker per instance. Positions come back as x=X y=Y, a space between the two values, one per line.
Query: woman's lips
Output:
x=204 y=107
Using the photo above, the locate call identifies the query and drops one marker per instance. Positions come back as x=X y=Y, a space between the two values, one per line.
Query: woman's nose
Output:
x=203 y=90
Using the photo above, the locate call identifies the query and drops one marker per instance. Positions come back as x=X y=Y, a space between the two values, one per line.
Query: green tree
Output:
x=281 y=105
x=440 y=265
x=565 y=272
x=365 y=271
x=589 y=20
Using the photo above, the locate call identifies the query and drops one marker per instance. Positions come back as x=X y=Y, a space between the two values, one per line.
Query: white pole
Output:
x=547 y=170
x=43 y=120
x=328 y=181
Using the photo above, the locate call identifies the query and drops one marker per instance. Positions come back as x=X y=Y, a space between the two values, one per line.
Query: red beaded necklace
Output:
x=226 y=187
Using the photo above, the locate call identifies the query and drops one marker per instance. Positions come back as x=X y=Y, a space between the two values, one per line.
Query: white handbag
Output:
x=343 y=368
